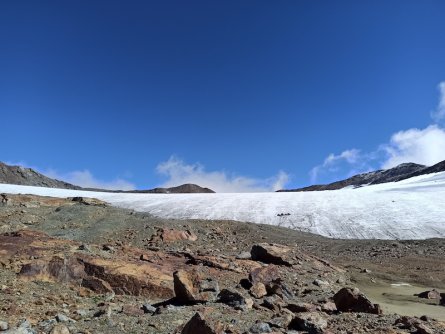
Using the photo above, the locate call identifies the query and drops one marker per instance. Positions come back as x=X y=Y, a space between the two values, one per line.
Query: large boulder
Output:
x=310 y=322
x=430 y=294
x=352 y=300
x=271 y=253
x=172 y=235
x=199 y=325
x=264 y=275
x=191 y=288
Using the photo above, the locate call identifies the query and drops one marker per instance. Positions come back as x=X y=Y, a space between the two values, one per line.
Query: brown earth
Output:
x=84 y=267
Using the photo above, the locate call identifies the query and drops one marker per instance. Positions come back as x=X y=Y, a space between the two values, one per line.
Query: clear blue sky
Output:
x=245 y=88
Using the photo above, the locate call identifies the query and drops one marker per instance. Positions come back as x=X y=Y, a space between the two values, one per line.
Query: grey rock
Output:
x=260 y=327
x=312 y=322
x=244 y=256
x=148 y=308
x=232 y=298
x=4 y=326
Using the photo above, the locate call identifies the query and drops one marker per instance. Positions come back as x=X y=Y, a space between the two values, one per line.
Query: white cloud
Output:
x=422 y=146
x=178 y=172
x=439 y=114
x=332 y=163
x=85 y=178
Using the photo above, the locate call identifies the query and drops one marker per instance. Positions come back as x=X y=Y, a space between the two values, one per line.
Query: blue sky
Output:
x=235 y=95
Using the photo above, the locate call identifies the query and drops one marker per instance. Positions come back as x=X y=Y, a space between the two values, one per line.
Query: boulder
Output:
x=271 y=253
x=97 y=285
x=258 y=290
x=191 y=288
x=352 y=300
x=234 y=299
x=199 y=325
x=311 y=322
x=264 y=274
x=430 y=294
x=172 y=235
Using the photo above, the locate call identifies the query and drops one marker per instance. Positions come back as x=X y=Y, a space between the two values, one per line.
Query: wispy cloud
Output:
x=423 y=146
x=86 y=179
x=356 y=161
x=178 y=172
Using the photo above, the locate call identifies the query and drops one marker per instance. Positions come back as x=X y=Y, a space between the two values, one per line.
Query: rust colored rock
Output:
x=258 y=290
x=97 y=285
x=67 y=270
x=430 y=294
x=199 y=325
x=171 y=235
x=352 y=300
x=301 y=307
x=264 y=274
x=190 y=287
x=128 y=278
x=271 y=253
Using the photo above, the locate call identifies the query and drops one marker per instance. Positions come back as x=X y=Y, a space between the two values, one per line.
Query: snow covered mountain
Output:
x=409 y=209
x=397 y=173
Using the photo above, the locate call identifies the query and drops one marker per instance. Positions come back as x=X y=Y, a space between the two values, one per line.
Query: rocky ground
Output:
x=81 y=266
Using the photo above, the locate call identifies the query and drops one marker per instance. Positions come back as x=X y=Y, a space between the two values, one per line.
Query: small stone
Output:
x=148 y=308
x=258 y=290
x=282 y=321
x=85 y=248
x=260 y=327
x=320 y=283
x=60 y=317
x=4 y=326
x=60 y=329
x=244 y=256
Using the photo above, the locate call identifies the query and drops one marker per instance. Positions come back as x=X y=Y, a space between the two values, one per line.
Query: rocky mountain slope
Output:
x=29 y=177
x=398 y=173
x=187 y=188
x=77 y=265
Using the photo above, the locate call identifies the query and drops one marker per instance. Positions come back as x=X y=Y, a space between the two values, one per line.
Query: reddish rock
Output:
x=67 y=270
x=97 y=285
x=258 y=290
x=190 y=287
x=301 y=307
x=264 y=274
x=271 y=253
x=352 y=300
x=199 y=325
x=171 y=235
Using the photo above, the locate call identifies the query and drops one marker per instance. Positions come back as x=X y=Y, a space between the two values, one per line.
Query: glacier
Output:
x=408 y=209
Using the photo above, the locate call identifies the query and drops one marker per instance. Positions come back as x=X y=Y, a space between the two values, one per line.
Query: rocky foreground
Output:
x=79 y=266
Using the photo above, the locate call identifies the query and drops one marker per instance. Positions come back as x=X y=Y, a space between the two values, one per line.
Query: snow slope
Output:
x=409 y=209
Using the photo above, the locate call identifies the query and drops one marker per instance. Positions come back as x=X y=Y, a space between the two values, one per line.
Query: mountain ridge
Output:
x=29 y=177
x=395 y=174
